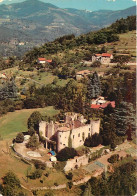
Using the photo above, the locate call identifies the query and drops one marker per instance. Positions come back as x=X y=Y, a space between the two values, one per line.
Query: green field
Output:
x=15 y=122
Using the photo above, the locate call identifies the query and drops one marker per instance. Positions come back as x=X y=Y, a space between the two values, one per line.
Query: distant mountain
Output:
x=37 y=22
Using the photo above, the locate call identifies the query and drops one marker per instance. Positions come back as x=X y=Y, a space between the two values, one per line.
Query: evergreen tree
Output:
x=94 y=86
x=124 y=116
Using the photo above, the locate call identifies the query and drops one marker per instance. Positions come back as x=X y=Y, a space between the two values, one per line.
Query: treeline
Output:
x=70 y=41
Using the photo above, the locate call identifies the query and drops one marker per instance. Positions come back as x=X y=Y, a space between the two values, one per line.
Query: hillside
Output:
x=34 y=23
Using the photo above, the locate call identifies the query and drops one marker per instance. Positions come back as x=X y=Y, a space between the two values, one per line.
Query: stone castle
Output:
x=72 y=132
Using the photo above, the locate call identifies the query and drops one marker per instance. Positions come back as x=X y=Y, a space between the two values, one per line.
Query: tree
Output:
x=66 y=153
x=96 y=64
x=11 y=180
x=108 y=130
x=114 y=158
x=94 y=86
x=34 y=120
x=69 y=176
x=64 y=73
x=121 y=59
x=124 y=115
x=19 y=138
x=33 y=142
x=36 y=174
x=93 y=140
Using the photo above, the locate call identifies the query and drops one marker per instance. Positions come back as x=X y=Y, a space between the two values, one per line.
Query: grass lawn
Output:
x=15 y=122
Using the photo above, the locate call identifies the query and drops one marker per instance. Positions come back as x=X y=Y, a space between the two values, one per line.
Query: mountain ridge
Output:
x=44 y=21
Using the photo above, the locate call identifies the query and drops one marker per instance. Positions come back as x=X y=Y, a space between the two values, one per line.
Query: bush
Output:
x=96 y=64
x=36 y=174
x=19 y=138
x=66 y=153
x=39 y=165
x=113 y=159
x=33 y=142
x=11 y=180
x=93 y=140
x=69 y=176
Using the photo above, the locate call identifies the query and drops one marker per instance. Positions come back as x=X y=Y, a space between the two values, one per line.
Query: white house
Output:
x=103 y=58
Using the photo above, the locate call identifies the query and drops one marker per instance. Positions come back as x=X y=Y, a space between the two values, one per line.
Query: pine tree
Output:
x=94 y=86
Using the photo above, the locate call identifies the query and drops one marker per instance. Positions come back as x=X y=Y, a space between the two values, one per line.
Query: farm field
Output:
x=15 y=122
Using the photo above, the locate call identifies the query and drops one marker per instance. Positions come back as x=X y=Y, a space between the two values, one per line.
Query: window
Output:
x=79 y=135
x=60 y=135
x=88 y=134
x=73 y=136
x=89 y=129
x=60 y=142
x=64 y=145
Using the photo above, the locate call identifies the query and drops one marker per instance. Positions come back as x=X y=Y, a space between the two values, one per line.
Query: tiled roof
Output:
x=104 y=105
x=106 y=54
x=41 y=59
x=83 y=72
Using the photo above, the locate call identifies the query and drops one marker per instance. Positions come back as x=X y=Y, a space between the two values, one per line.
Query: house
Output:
x=82 y=74
x=44 y=60
x=71 y=133
x=101 y=103
x=103 y=58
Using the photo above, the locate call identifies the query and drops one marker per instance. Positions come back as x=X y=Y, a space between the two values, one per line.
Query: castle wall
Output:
x=76 y=163
x=42 y=128
x=95 y=126
x=79 y=135
x=62 y=139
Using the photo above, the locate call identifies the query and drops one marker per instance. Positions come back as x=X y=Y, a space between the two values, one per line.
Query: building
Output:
x=101 y=103
x=104 y=58
x=82 y=74
x=71 y=133
x=44 y=60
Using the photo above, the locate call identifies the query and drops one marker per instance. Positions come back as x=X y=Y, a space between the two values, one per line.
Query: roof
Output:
x=52 y=153
x=44 y=59
x=41 y=59
x=104 y=105
x=98 y=55
x=63 y=129
x=83 y=72
x=106 y=54
x=49 y=61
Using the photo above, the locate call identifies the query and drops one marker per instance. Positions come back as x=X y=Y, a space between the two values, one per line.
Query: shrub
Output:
x=66 y=153
x=19 y=138
x=33 y=142
x=69 y=176
x=114 y=158
x=39 y=165
x=36 y=174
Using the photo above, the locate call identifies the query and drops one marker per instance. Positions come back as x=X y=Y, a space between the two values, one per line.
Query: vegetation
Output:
x=66 y=153
x=114 y=158
x=33 y=142
x=11 y=185
x=121 y=182
x=93 y=140
x=19 y=138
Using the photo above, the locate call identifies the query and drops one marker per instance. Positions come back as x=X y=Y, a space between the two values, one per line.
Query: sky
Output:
x=91 y=5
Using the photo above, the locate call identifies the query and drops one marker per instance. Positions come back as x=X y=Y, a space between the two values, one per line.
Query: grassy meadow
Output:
x=15 y=122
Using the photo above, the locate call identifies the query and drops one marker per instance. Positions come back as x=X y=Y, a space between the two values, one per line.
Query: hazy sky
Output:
x=86 y=4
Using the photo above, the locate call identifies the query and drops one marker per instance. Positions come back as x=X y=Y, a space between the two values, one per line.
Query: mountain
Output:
x=34 y=22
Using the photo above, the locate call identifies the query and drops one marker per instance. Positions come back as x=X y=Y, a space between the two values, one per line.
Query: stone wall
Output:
x=76 y=163
x=77 y=135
